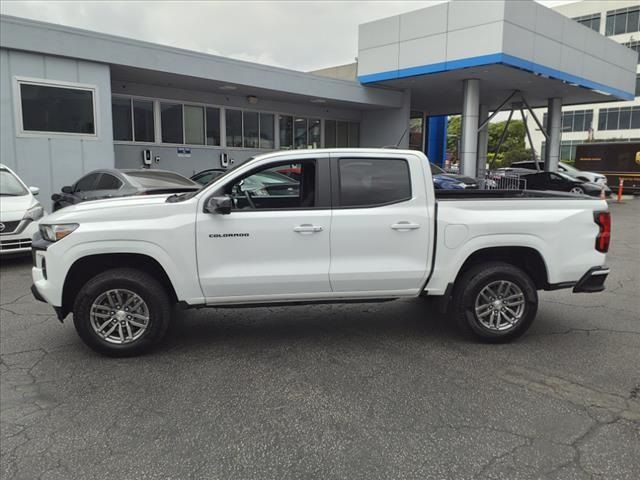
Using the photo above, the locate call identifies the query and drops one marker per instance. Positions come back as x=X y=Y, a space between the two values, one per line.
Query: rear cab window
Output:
x=372 y=182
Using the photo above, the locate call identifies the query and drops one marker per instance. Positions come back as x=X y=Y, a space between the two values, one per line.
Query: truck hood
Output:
x=100 y=207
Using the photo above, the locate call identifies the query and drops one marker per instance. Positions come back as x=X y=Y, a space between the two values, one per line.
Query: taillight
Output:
x=603 y=219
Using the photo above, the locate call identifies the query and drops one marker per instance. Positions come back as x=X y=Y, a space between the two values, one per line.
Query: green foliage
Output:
x=513 y=149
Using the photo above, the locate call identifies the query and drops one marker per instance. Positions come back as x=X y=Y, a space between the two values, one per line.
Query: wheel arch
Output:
x=86 y=267
x=526 y=258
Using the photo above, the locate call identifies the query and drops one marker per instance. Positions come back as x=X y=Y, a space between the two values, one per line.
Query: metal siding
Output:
x=49 y=162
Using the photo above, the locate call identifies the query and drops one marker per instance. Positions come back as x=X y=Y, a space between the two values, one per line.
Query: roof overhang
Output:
x=507 y=45
x=138 y=57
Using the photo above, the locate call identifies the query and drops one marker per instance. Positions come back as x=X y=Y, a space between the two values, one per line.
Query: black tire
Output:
x=467 y=291
x=142 y=284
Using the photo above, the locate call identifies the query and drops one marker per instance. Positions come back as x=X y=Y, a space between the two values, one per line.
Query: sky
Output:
x=301 y=35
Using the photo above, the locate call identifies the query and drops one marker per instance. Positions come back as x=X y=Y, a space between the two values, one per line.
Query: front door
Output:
x=275 y=242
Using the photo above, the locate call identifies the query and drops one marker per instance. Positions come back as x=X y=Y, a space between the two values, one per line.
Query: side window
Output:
x=86 y=183
x=370 y=182
x=108 y=182
x=282 y=186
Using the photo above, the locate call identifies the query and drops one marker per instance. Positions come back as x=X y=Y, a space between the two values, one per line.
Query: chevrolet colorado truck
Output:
x=356 y=225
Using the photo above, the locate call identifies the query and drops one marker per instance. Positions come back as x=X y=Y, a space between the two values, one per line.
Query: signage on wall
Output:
x=184 y=151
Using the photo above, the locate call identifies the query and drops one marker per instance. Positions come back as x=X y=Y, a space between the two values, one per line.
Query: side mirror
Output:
x=34 y=190
x=67 y=189
x=221 y=205
x=55 y=197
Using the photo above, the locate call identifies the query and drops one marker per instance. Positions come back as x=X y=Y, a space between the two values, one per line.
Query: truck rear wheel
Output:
x=122 y=312
x=495 y=302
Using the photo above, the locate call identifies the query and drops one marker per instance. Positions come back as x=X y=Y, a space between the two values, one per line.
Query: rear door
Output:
x=380 y=225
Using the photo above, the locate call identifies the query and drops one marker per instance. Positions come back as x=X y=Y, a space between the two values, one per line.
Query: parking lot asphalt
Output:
x=334 y=391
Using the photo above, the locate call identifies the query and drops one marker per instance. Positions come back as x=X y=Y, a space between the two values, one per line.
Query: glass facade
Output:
x=574 y=121
x=619 y=118
x=590 y=21
x=624 y=20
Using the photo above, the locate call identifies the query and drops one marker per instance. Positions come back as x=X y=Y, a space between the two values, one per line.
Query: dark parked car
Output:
x=122 y=183
x=205 y=176
x=450 y=181
x=563 y=183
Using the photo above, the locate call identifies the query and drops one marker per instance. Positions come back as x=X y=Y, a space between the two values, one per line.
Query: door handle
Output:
x=307 y=228
x=405 y=226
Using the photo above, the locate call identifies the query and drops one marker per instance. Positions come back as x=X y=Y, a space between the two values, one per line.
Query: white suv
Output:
x=567 y=169
x=19 y=213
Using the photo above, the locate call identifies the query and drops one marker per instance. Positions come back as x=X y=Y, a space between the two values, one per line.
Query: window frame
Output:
x=222 y=119
x=323 y=183
x=335 y=182
x=43 y=82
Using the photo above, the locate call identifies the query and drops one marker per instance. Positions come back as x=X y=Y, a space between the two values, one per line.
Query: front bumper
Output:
x=20 y=240
x=592 y=281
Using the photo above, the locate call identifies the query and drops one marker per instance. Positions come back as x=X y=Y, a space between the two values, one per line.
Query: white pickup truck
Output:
x=316 y=226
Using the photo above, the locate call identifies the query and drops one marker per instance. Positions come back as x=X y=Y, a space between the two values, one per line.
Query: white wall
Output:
x=50 y=162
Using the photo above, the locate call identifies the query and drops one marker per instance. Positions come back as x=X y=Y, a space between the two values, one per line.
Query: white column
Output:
x=469 y=123
x=483 y=143
x=554 y=130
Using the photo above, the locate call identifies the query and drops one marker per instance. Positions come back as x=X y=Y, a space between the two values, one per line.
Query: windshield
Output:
x=10 y=186
x=570 y=168
x=436 y=170
x=156 y=179
x=566 y=177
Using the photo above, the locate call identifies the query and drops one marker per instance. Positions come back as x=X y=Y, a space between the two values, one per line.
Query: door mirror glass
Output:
x=67 y=189
x=221 y=205
x=34 y=190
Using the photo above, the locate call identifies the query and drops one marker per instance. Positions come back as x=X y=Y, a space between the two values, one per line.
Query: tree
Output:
x=513 y=147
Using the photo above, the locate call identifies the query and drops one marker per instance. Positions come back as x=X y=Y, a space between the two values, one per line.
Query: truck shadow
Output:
x=326 y=324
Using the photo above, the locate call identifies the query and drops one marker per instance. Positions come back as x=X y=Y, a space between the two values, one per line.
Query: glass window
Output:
x=624 y=20
x=286 y=131
x=143 y=124
x=267 y=134
x=342 y=134
x=354 y=134
x=282 y=186
x=121 y=119
x=234 y=128
x=632 y=21
x=10 y=185
x=567 y=122
x=329 y=133
x=637 y=85
x=613 y=115
x=365 y=182
x=251 y=130
x=108 y=182
x=213 y=126
x=578 y=121
x=602 y=119
x=590 y=21
x=635 y=117
x=171 y=122
x=193 y=125
x=300 y=133
x=625 y=119
x=86 y=183
x=588 y=120
x=57 y=109
x=416 y=131
x=314 y=133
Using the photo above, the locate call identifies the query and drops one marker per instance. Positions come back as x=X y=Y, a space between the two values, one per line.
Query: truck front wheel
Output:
x=495 y=302
x=121 y=312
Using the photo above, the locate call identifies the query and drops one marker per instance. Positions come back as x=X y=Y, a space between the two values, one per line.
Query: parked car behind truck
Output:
x=111 y=183
x=364 y=225
x=19 y=213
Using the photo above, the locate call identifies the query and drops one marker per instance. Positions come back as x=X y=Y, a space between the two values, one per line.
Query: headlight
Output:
x=462 y=185
x=53 y=233
x=34 y=213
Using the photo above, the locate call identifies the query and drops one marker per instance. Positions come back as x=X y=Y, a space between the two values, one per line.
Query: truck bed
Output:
x=505 y=194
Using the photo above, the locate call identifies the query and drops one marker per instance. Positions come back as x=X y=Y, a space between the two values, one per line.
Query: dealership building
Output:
x=74 y=100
